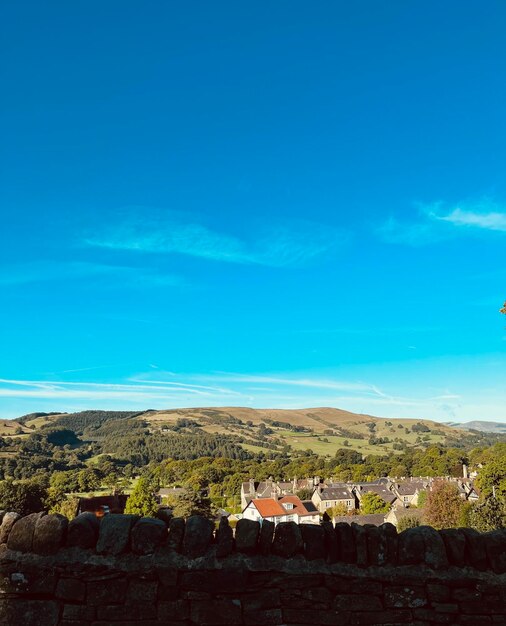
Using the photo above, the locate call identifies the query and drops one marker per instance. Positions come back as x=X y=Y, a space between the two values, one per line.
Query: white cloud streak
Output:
x=435 y=223
x=295 y=245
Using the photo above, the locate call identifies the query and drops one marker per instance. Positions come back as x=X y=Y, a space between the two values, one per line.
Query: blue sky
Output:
x=270 y=205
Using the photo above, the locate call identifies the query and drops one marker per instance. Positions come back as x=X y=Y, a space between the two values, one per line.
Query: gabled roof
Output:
x=336 y=493
x=382 y=492
x=298 y=506
x=268 y=507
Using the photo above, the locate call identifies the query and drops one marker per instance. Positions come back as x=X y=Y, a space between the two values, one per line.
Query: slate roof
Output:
x=336 y=493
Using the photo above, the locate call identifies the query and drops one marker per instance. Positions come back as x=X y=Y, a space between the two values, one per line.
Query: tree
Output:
x=191 y=502
x=490 y=515
x=422 y=499
x=373 y=503
x=23 y=497
x=142 y=500
x=408 y=521
x=503 y=310
x=444 y=506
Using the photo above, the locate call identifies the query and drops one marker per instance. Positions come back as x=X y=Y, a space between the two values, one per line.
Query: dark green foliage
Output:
x=420 y=428
x=23 y=497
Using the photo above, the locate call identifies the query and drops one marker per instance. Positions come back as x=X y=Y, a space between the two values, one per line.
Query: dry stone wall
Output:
x=126 y=571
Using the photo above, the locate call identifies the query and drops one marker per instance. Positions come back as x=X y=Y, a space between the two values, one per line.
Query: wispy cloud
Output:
x=163 y=390
x=47 y=271
x=437 y=222
x=489 y=221
x=295 y=244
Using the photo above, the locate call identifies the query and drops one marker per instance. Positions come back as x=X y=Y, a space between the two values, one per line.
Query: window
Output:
x=288 y=506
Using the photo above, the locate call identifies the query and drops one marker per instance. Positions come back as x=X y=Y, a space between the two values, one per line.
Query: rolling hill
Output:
x=322 y=430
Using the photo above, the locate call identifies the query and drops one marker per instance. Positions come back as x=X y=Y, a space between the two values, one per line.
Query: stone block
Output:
x=356 y=603
x=313 y=536
x=330 y=542
x=216 y=613
x=389 y=535
x=142 y=592
x=147 y=535
x=246 y=536
x=495 y=546
x=411 y=547
x=434 y=547
x=23 y=612
x=455 y=544
x=476 y=551
x=266 y=537
x=224 y=538
x=83 y=531
x=21 y=535
x=176 y=533
x=106 y=591
x=346 y=542
x=262 y=599
x=114 y=533
x=216 y=581
x=70 y=590
x=50 y=534
x=360 y=535
x=198 y=535
x=263 y=617
x=287 y=540
x=8 y=521
x=81 y=612
x=176 y=610
x=405 y=597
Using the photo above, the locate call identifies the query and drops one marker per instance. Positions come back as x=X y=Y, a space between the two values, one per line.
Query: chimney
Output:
x=464 y=470
x=252 y=486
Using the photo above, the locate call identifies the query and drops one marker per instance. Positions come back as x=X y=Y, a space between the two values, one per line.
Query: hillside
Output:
x=321 y=430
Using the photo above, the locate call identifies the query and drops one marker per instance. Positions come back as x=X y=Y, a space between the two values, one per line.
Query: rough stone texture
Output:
x=246 y=535
x=266 y=537
x=330 y=542
x=28 y=613
x=8 y=521
x=176 y=533
x=435 y=552
x=78 y=588
x=389 y=535
x=21 y=535
x=147 y=535
x=346 y=542
x=360 y=534
x=411 y=547
x=50 y=534
x=198 y=535
x=83 y=531
x=455 y=545
x=313 y=537
x=476 y=551
x=495 y=545
x=287 y=540
x=114 y=533
x=224 y=538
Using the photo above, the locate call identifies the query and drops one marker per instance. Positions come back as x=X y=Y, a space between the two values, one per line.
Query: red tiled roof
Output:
x=268 y=507
x=298 y=507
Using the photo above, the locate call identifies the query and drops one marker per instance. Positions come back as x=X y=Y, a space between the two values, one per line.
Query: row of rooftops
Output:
x=387 y=488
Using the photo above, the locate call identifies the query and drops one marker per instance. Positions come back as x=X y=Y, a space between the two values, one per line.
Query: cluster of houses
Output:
x=277 y=501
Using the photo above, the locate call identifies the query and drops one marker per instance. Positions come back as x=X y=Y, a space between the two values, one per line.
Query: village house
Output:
x=269 y=488
x=328 y=497
x=380 y=489
x=286 y=509
x=397 y=513
x=407 y=492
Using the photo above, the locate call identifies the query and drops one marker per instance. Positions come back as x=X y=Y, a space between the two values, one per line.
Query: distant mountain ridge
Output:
x=482 y=426
x=320 y=430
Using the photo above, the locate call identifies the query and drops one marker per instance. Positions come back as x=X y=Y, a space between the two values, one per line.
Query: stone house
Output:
x=286 y=509
x=327 y=497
